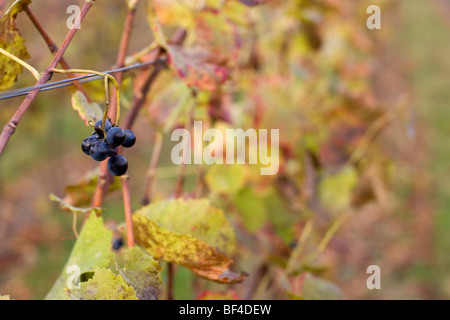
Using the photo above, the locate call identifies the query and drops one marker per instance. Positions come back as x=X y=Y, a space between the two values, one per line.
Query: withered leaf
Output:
x=14 y=43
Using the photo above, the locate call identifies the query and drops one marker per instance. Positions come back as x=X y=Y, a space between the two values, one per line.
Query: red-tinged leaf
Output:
x=184 y=249
x=197 y=68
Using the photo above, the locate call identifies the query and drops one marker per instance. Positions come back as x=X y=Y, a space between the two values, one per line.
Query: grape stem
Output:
x=36 y=74
x=107 y=78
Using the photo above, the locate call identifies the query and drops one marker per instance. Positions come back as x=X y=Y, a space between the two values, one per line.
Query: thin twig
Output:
x=170 y=280
x=53 y=49
x=182 y=174
x=151 y=175
x=140 y=98
x=121 y=55
x=178 y=193
x=128 y=211
x=10 y=127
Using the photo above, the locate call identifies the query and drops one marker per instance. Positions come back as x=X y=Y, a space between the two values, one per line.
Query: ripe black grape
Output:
x=130 y=139
x=88 y=143
x=108 y=124
x=98 y=135
x=115 y=136
x=99 y=151
x=113 y=151
x=103 y=144
x=117 y=165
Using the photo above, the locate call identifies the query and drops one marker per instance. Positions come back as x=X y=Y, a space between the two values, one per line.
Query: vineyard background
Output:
x=363 y=123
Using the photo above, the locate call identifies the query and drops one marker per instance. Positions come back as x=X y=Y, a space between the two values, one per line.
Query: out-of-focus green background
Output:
x=43 y=156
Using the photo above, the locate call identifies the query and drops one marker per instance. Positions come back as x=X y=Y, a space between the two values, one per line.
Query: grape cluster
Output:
x=103 y=144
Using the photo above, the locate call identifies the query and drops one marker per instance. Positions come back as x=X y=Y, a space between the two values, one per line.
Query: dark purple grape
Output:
x=115 y=137
x=87 y=144
x=130 y=139
x=108 y=125
x=117 y=243
x=98 y=135
x=99 y=151
x=117 y=165
x=113 y=151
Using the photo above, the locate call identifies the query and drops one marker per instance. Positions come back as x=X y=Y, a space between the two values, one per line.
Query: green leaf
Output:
x=91 y=250
x=104 y=285
x=335 y=191
x=319 y=289
x=251 y=208
x=195 y=217
x=225 y=179
x=87 y=111
x=184 y=249
x=141 y=272
x=14 y=43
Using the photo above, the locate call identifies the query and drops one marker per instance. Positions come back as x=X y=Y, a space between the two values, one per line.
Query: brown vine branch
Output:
x=182 y=173
x=128 y=211
x=53 y=49
x=178 y=193
x=10 y=127
x=122 y=53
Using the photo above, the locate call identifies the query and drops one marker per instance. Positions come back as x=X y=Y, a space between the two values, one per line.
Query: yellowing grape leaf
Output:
x=335 y=190
x=91 y=250
x=141 y=272
x=88 y=111
x=225 y=179
x=184 y=249
x=251 y=209
x=14 y=43
x=314 y=288
x=174 y=12
x=104 y=285
x=194 y=217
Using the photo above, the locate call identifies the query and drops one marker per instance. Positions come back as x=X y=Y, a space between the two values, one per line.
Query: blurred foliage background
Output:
x=363 y=135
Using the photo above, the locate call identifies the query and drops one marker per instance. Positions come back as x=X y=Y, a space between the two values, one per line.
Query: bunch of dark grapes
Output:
x=103 y=144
